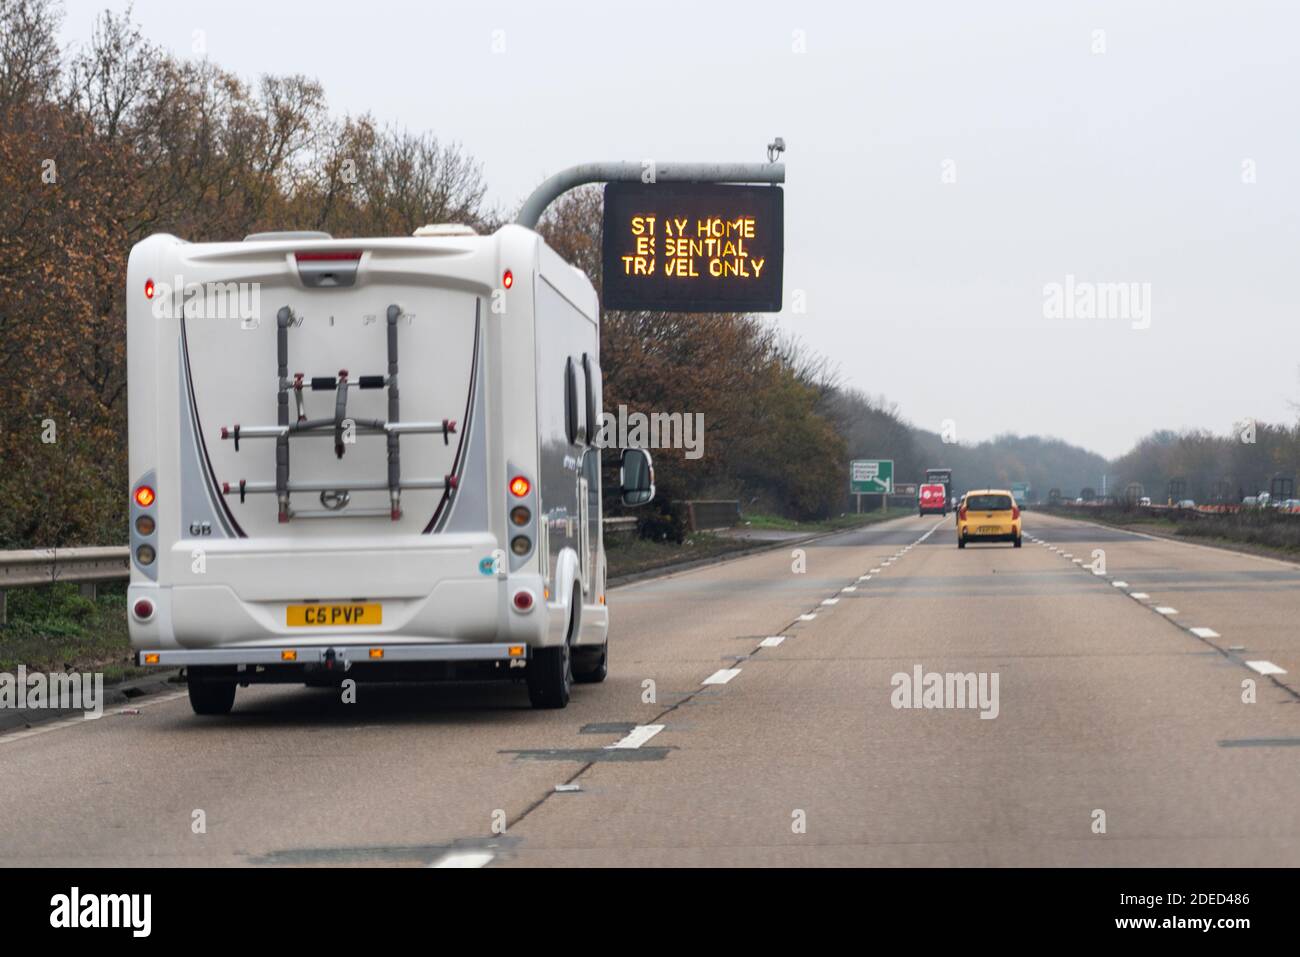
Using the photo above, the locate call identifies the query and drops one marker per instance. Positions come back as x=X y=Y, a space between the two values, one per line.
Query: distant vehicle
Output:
x=1290 y=505
x=1250 y=502
x=1079 y=500
x=988 y=515
x=1263 y=499
x=1186 y=503
x=1020 y=492
x=941 y=476
x=932 y=499
x=1145 y=500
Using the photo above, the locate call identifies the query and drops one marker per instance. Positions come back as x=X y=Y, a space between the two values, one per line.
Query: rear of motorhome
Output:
x=371 y=459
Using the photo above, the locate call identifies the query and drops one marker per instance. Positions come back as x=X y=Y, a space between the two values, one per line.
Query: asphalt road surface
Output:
x=754 y=705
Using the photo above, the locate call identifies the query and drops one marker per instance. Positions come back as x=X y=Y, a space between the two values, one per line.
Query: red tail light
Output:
x=350 y=255
x=1015 y=511
x=961 y=513
x=523 y=600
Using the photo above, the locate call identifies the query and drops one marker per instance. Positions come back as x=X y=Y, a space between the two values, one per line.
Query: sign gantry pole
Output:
x=646 y=172
x=684 y=237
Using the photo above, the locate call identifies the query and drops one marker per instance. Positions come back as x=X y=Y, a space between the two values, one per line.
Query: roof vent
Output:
x=445 y=229
x=286 y=234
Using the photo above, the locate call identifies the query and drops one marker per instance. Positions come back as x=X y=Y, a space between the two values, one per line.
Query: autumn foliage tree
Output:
x=766 y=439
x=116 y=141
x=105 y=145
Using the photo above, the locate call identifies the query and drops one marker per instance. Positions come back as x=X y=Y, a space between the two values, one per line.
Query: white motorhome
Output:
x=296 y=516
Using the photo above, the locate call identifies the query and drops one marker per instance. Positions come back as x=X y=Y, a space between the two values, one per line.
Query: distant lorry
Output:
x=296 y=517
x=1020 y=492
x=939 y=476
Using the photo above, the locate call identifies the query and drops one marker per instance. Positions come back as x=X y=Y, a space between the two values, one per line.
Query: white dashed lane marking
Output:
x=1265 y=668
x=464 y=859
x=721 y=676
x=636 y=737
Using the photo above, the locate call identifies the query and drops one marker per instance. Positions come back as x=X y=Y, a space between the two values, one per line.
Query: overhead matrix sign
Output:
x=693 y=247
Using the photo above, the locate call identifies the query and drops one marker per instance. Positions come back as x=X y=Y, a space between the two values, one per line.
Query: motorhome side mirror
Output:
x=637 y=477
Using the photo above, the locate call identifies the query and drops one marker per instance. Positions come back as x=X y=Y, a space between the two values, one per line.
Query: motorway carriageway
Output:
x=772 y=737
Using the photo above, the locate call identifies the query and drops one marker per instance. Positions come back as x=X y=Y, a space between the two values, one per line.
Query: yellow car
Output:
x=988 y=515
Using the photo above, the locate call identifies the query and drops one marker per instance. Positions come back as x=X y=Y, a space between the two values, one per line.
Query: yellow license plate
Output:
x=350 y=614
x=989 y=530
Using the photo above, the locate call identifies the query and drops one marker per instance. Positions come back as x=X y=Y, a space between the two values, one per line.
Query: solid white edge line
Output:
x=60 y=724
x=1205 y=633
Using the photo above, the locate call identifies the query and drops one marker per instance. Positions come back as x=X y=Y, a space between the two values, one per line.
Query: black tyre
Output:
x=1017 y=541
x=961 y=541
x=210 y=697
x=550 y=677
x=550 y=673
x=591 y=665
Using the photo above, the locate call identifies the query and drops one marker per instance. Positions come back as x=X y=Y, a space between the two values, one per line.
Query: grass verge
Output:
x=844 y=521
x=630 y=556
x=1258 y=532
x=54 y=628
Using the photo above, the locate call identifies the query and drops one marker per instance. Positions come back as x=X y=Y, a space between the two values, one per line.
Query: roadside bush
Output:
x=667 y=523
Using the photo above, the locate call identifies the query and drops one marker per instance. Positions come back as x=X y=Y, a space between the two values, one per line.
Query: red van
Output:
x=932 y=499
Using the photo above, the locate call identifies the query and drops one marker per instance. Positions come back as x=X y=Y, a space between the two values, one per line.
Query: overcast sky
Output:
x=946 y=163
